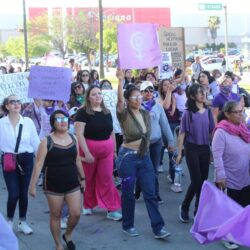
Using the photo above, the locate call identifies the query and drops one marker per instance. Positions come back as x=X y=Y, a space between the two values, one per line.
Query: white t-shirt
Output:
x=180 y=101
x=8 y=136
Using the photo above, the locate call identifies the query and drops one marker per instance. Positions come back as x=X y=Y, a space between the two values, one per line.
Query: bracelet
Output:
x=82 y=178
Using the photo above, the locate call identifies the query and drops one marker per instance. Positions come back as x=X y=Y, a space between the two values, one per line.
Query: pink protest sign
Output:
x=51 y=83
x=138 y=47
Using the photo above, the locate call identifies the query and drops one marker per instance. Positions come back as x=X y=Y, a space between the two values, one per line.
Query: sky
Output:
x=183 y=12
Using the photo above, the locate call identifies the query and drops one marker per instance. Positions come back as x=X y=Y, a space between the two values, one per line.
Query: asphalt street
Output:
x=98 y=233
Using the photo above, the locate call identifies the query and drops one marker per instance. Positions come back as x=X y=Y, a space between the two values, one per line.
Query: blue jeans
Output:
x=132 y=167
x=155 y=156
x=17 y=185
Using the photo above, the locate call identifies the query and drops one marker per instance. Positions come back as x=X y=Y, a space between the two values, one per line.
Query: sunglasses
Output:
x=14 y=102
x=135 y=98
x=149 y=90
x=62 y=119
x=85 y=75
x=237 y=111
x=77 y=87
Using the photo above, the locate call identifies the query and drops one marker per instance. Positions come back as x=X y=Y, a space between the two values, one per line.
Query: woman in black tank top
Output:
x=64 y=176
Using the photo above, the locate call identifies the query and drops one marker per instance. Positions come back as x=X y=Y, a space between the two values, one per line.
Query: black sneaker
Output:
x=183 y=215
x=137 y=195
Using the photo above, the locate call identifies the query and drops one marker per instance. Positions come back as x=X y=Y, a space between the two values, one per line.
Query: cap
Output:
x=146 y=84
x=72 y=111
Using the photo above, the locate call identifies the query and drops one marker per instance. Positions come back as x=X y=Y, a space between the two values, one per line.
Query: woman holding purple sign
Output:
x=134 y=162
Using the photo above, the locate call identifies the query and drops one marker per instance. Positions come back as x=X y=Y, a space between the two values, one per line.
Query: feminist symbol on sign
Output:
x=139 y=43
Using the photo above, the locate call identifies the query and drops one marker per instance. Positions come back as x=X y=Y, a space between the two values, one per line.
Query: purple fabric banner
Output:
x=51 y=83
x=220 y=218
x=138 y=47
x=8 y=240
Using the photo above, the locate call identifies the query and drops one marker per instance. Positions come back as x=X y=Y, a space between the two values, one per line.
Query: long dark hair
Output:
x=160 y=88
x=72 y=100
x=210 y=78
x=227 y=108
x=87 y=104
x=191 y=92
x=129 y=90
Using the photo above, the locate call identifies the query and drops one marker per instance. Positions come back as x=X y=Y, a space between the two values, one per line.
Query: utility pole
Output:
x=101 y=70
x=226 y=37
x=25 y=36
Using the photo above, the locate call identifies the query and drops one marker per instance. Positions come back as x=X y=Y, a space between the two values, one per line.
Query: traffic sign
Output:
x=210 y=6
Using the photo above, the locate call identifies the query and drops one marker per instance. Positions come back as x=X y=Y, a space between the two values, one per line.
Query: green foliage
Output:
x=15 y=47
x=109 y=37
x=81 y=33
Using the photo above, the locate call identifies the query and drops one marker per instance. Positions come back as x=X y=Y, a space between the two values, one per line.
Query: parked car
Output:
x=215 y=63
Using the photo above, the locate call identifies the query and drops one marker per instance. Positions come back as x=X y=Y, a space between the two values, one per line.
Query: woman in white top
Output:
x=17 y=180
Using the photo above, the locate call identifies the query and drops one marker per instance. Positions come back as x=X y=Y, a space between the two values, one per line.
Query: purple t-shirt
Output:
x=197 y=126
x=220 y=100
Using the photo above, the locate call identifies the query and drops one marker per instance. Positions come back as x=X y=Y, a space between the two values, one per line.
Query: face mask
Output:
x=226 y=90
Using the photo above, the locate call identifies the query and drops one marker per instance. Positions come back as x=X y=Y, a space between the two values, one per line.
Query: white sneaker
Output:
x=64 y=223
x=230 y=245
x=160 y=169
x=87 y=211
x=23 y=227
x=176 y=188
x=169 y=178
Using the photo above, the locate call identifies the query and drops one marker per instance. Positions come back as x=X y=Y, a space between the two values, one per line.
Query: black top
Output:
x=98 y=126
x=61 y=174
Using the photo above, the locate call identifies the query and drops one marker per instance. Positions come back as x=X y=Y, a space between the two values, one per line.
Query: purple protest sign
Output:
x=51 y=83
x=220 y=218
x=138 y=47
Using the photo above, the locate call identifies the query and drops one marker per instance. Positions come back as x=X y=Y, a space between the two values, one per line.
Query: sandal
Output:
x=70 y=244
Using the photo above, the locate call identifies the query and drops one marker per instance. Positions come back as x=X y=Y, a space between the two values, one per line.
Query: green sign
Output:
x=210 y=6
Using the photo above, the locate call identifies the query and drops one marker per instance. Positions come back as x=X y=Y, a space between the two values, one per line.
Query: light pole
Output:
x=226 y=37
x=101 y=70
x=25 y=36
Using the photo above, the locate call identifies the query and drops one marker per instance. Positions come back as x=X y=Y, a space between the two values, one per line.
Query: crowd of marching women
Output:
x=73 y=147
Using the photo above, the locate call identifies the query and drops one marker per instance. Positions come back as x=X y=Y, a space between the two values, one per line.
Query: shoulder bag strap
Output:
x=18 y=137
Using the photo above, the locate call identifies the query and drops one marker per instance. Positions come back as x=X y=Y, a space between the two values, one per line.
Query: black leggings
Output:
x=197 y=158
x=240 y=196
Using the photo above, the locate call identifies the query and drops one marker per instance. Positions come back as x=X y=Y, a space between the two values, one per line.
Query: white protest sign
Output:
x=166 y=69
x=15 y=84
x=110 y=101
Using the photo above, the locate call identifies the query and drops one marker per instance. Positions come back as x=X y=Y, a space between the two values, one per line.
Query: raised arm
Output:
x=120 y=98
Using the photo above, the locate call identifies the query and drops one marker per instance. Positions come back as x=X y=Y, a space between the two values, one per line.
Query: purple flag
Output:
x=51 y=83
x=8 y=240
x=138 y=47
x=220 y=218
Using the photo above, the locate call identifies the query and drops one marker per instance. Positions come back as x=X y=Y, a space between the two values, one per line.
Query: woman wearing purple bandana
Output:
x=159 y=128
x=226 y=85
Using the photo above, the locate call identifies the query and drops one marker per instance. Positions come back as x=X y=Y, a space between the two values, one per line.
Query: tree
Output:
x=109 y=38
x=213 y=26
x=15 y=47
x=81 y=34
